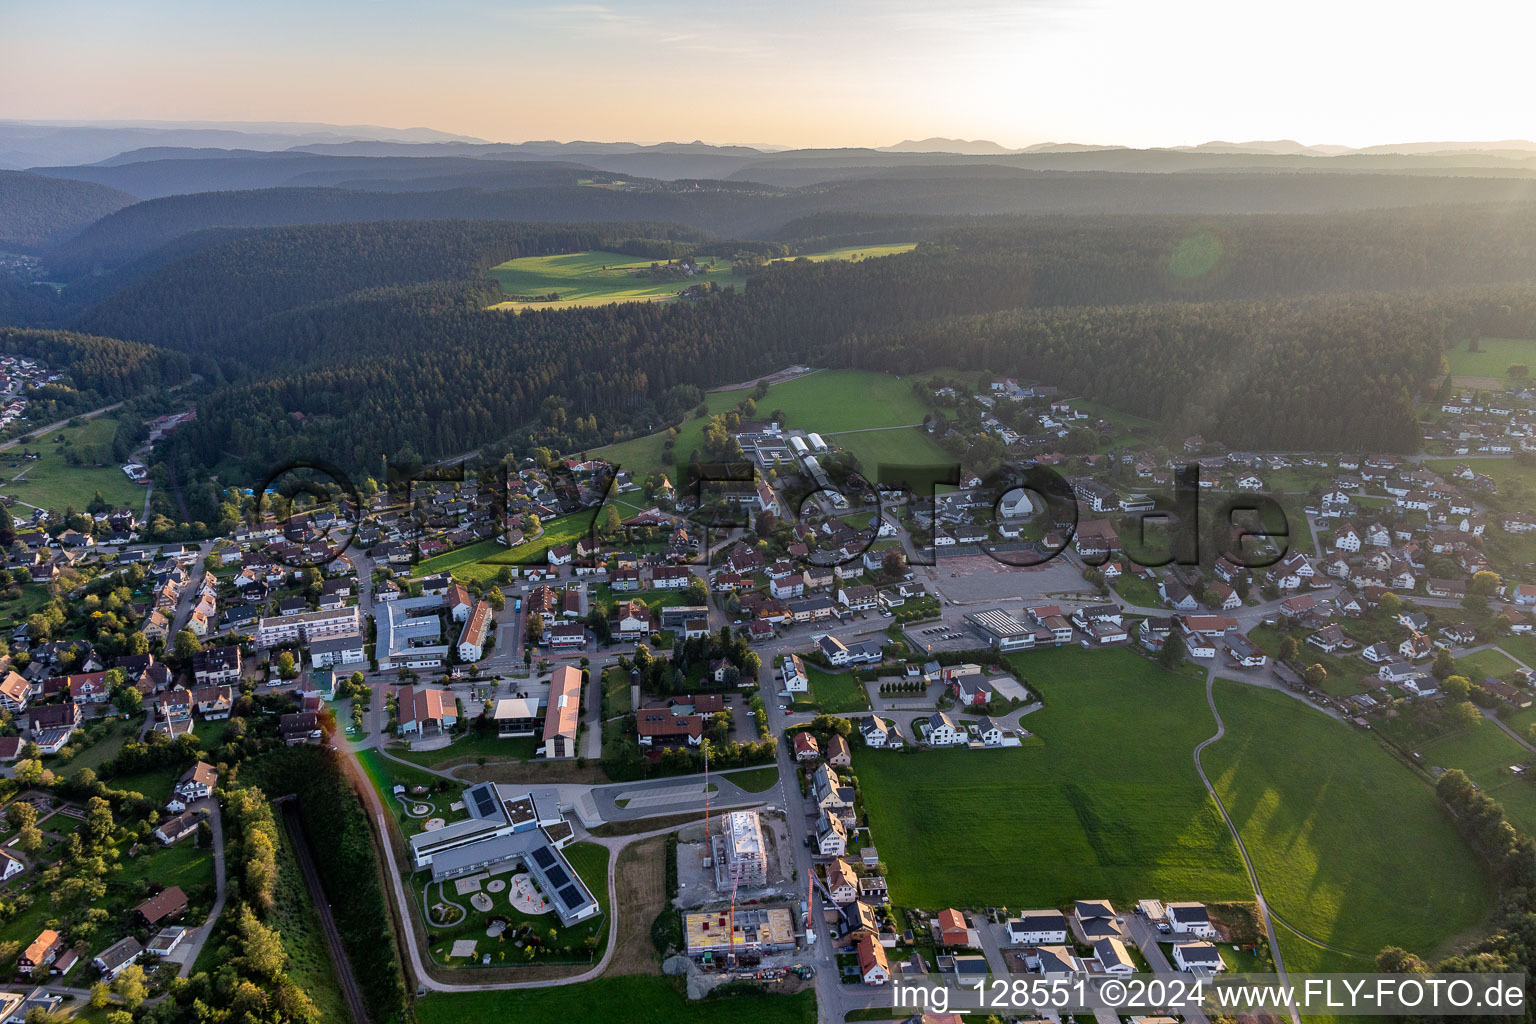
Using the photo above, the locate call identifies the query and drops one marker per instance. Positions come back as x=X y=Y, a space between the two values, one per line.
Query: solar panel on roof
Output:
x=543 y=857
x=485 y=802
x=558 y=878
x=570 y=897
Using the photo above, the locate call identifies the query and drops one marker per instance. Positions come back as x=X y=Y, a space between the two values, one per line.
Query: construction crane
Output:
x=709 y=842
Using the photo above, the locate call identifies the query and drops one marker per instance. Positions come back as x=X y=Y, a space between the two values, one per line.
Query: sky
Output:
x=793 y=73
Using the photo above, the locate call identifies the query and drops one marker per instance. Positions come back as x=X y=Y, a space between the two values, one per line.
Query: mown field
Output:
x=50 y=482
x=1487 y=753
x=1350 y=845
x=1106 y=805
x=1493 y=358
x=837 y=693
x=634 y=999
x=1503 y=471
x=899 y=446
x=596 y=278
x=827 y=402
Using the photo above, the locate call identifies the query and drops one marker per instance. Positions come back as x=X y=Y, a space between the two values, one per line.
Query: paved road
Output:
x=194 y=945
x=33 y=435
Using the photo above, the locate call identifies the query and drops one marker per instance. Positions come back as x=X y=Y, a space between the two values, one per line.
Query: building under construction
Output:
x=759 y=930
x=738 y=853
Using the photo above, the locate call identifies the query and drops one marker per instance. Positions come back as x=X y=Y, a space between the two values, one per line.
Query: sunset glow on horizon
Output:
x=791 y=74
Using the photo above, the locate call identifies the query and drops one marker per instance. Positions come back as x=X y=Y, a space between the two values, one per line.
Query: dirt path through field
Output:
x=639 y=880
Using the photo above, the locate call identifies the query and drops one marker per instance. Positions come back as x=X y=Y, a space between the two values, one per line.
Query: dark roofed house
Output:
x=173 y=830
x=113 y=960
x=167 y=905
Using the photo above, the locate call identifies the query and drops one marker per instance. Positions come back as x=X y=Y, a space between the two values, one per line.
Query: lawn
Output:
x=1486 y=753
x=898 y=446
x=827 y=401
x=1137 y=591
x=1106 y=805
x=183 y=864
x=1505 y=472
x=155 y=785
x=450 y=560
x=597 y=278
x=52 y=483
x=837 y=694
x=106 y=739
x=1342 y=835
x=1493 y=663
x=471 y=746
x=385 y=774
x=634 y=999
x=1494 y=358
x=755 y=780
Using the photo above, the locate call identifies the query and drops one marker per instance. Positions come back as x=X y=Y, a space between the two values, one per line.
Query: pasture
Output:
x=636 y=998
x=597 y=278
x=1341 y=834
x=827 y=402
x=1493 y=358
x=1105 y=805
x=50 y=482
x=837 y=693
x=1506 y=473
x=898 y=446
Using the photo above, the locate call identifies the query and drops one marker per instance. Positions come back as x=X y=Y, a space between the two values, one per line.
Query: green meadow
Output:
x=1106 y=805
x=1494 y=356
x=1350 y=845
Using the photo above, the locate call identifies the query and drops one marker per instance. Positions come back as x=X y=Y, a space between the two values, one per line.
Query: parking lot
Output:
x=979 y=580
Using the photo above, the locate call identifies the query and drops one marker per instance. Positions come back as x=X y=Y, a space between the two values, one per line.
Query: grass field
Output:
x=1342 y=835
x=1493 y=663
x=900 y=446
x=50 y=482
x=827 y=401
x=485 y=560
x=755 y=780
x=1503 y=471
x=634 y=999
x=293 y=915
x=1107 y=805
x=837 y=694
x=595 y=278
x=1486 y=753
x=1494 y=359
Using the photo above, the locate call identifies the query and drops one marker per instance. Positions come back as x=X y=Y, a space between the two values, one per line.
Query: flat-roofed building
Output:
x=410 y=633
x=740 y=857
x=1001 y=630
x=517 y=716
x=757 y=930
x=308 y=627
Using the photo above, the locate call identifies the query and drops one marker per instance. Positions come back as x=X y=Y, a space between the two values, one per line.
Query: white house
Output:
x=1197 y=956
x=1038 y=928
x=792 y=670
x=942 y=731
x=1190 y=919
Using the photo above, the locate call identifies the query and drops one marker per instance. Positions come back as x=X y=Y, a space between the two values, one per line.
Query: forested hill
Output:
x=220 y=292
x=352 y=341
x=228 y=298
x=36 y=212
x=102 y=370
x=746 y=210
